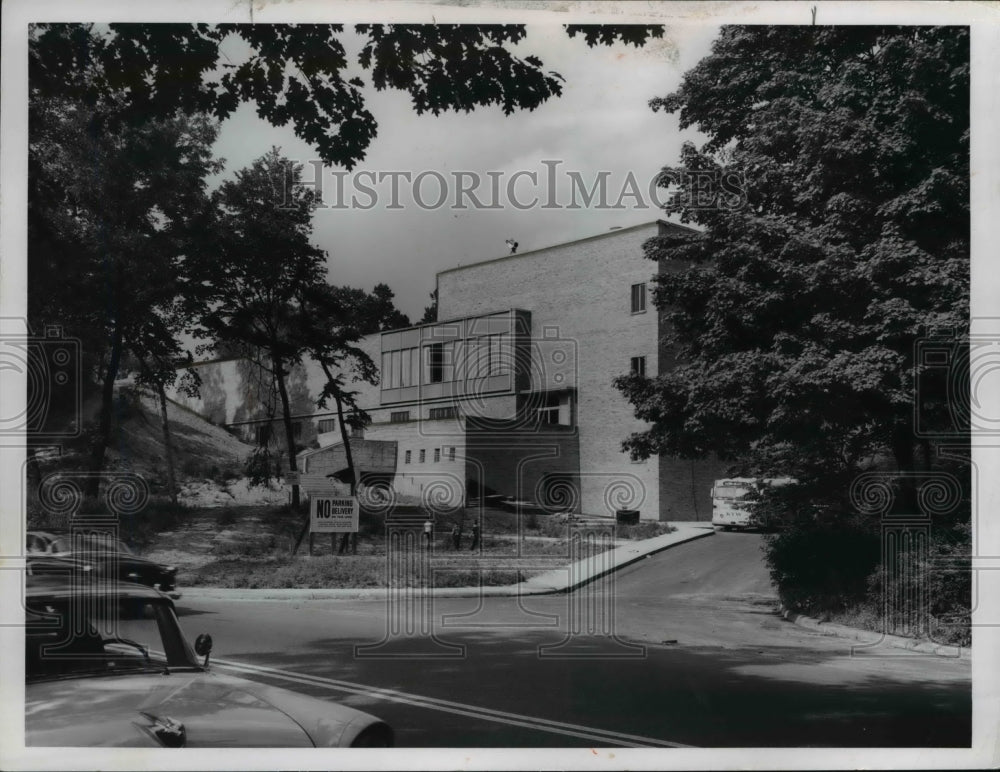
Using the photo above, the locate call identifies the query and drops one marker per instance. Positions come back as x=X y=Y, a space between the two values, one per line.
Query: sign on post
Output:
x=292 y=478
x=333 y=514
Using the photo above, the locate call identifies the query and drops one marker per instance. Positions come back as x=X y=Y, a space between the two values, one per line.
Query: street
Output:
x=698 y=657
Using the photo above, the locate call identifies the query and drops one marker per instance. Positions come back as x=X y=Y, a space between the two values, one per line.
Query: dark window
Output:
x=357 y=432
x=451 y=453
x=327 y=425
x=638 y=298
x=435 y=363
x=437 y=455
x=297 y=429
x=399 y=417
x=423 y=456
x=263 y=434
x=406 y=458
x=437 y=413
x=638 y=365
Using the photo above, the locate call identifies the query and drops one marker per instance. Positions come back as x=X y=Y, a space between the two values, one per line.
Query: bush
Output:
x=261 y=468
x=822 y=566
x=932 y=594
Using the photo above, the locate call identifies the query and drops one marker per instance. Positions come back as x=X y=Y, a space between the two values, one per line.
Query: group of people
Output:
x=456 y=535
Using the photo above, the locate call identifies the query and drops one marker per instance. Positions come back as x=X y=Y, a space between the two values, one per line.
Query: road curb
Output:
x=872 y=638
x=544 y=584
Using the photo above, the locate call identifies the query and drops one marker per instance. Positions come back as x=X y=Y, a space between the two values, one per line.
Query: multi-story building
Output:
x=509 y=394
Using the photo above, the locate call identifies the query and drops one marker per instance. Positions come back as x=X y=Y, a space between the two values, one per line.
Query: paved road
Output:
x=697 y=657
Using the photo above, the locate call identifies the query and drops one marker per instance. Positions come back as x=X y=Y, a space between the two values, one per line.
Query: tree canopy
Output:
x=794 y=309
x=298 y=74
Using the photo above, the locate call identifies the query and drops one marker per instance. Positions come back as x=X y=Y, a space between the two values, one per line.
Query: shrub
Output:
x=932 y=595
x=261 y=468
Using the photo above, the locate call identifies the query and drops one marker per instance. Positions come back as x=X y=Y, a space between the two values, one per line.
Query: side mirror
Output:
x=203 y=646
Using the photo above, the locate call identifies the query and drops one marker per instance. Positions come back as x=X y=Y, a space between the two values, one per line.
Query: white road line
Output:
x=472 y=711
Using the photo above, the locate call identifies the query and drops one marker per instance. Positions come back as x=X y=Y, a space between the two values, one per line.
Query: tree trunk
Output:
x=167 y=443
x=103 y=439
x=345 y=438
x=903 y=452
x=286 y=416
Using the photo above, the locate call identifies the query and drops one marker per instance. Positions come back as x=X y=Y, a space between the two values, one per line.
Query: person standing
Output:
x=456 y=536
x=475 y=535
x=428 y=531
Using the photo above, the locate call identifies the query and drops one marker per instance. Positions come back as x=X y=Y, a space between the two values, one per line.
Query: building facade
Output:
x=510 y=394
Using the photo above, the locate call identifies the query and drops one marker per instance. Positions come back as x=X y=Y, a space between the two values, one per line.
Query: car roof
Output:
x=59 y=587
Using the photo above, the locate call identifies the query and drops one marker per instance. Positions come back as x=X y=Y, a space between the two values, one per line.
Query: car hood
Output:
x=198 y=709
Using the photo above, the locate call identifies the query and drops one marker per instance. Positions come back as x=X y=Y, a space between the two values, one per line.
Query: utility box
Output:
x=627 y=517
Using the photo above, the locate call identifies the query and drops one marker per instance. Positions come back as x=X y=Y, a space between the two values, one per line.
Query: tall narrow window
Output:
x=414 y=366
x=406 y=457
x=638 y=366
x=638 y=298
x=437 y=455
x=423 y=455
x=451 y=453
x=395 y=371
x=435 y=363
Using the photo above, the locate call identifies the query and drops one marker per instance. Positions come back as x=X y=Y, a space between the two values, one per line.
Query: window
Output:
x=437 y=455
x=556 y=409
x=406 y=457
x=498 y=354
x=263 y=434
x=327 y=425
x=435 y=363
x=386 y=369
x=408 y=367
x=638 y=298
x=423 y=455
x=438 y=413
x=451 y=453
x=395 y=370
x=399 y=417
x=297 y=429
x=638 y=365
x=357 y=432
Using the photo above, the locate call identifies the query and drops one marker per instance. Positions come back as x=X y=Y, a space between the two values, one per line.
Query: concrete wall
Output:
x=440 y=482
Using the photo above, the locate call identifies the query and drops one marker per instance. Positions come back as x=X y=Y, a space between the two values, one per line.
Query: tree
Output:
x=796 y=317
x=300 y=73
x=110 y=216
x=386 y=315
x=431 y=312
x=332 y=321
x=834 y=236
x=262 y=261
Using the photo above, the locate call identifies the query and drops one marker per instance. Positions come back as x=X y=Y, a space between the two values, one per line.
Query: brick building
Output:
x=511 y=392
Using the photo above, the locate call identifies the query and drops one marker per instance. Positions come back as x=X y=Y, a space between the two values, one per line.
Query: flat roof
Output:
x=603 y=235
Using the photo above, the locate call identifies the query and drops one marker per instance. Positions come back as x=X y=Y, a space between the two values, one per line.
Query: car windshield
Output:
x=730 y=491
x=100 y=634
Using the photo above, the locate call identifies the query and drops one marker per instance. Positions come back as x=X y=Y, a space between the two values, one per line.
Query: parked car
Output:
x=100 y=554
x=107 y=665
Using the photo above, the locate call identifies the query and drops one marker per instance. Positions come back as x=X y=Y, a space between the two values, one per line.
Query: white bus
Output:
x=728 y=509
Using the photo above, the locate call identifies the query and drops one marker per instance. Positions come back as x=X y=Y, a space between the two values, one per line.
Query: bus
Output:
x=728 y=509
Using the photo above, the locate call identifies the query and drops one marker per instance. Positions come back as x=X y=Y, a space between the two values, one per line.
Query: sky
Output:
x=601 y=123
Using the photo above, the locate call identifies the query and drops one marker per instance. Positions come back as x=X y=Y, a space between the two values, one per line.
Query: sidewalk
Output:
x=871 y=640
x=558 y=580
